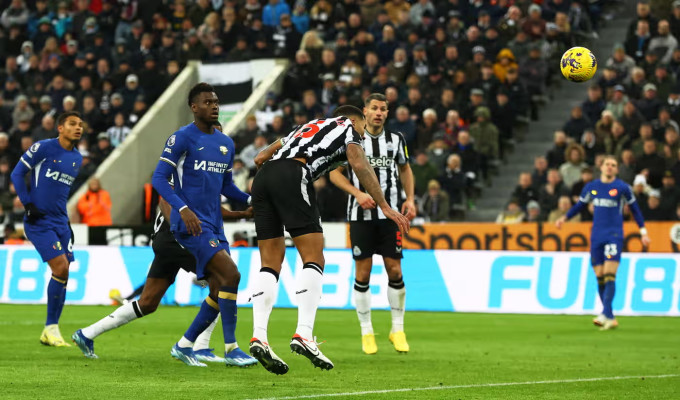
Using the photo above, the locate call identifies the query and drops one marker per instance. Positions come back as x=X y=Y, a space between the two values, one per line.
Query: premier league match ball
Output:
x=578 y=64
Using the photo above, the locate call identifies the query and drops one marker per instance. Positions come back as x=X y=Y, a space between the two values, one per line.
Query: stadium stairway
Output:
x=538 y=136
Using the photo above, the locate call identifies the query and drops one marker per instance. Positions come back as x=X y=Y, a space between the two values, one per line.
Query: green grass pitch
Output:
x=448 y=350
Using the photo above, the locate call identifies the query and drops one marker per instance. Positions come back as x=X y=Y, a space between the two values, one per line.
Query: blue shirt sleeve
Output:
x=33 y=157
x=583 y=200
x=229 y=189
x=175 y=147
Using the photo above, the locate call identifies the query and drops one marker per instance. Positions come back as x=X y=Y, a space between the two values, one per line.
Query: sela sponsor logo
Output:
x=211 y=166
x=60 y=177
x=605 y=203
x=381 y=162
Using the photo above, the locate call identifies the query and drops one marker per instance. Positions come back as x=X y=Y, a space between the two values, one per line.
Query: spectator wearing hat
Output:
x=473 y=68
x=652 y=210
x=130 y=92
x=102 y=149
x=664 y=81
x=505 y=60
x=485 y=135
x=637 y=44
x=22 y=110
x=649 y=105
x=476 y=100
x=618 y=101
x=300 y=16
x=621 y=62
x=44 y=108
x=534 y=212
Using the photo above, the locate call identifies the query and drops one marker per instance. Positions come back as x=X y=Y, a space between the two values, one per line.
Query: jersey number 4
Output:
x=309 y=130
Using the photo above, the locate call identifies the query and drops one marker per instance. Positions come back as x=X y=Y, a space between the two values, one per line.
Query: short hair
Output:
x=347 y=111
x=64 y=116
x=198 y=89
x=375 y=96
x=610 y=157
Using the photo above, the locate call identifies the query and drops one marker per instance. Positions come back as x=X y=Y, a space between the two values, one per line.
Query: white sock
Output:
x=266 y=292
x=203 y=340
x=121 y=316
x=229 y=347
x=362 y=298
x=184 y=343
x=396 y=296
x=308 y=298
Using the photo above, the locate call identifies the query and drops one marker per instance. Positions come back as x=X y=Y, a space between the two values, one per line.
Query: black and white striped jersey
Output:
x=385 y=152
x=322 y=142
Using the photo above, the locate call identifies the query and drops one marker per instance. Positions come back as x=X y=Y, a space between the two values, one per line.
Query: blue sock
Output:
x=206 y=315
x=600 y=288
x=62 y=301
x=608 y=297
x=227 y=301
x=55 y=299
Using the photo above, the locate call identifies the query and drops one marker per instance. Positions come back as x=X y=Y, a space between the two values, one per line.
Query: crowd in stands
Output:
x=460 y=76
x=631 y=112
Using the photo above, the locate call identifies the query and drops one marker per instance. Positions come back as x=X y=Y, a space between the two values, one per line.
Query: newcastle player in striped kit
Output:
x=283 y=196
x=370 y=231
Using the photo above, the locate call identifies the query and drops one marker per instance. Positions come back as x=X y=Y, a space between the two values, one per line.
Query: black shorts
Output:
x=169 y=257
x=381 y=237
x=283 y=195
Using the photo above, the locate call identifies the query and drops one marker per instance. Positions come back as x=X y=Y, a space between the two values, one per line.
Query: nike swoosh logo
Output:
x=201 y=148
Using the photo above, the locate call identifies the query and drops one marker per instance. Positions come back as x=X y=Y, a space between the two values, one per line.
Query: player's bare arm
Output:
x=236 y=215
x=264 y=155
x=359 y=163
x=406 y=177
x=340 y=180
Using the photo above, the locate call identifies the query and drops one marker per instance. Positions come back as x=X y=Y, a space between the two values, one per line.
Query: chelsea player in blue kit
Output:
x=54 y=165
x=199 y=158
x=608 y=195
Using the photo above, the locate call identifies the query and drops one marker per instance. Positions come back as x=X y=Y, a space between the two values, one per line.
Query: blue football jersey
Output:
x=53 y=170
x=608 y=200
x=202 y=162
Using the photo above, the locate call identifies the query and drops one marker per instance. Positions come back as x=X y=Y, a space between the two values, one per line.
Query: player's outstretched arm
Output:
x=232 y=192
x=236 y=215
x=264 y=155
x=407 y=182
x=340 y=180
x=359 y=163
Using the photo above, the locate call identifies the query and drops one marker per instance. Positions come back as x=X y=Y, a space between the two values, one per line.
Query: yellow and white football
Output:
x=578 y=64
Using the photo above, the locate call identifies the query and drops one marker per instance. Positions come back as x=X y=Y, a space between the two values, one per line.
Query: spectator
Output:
x=670 y=194
x=555 y=155
x=512 y=214
x=539 y=176
x=15 y=15
x=665 y=82
x=471 y=159
x=405 y=125
x=453 y=181
x=645 y=134
x=603 y=127
x=671 y=146
x=631 y=119
x=534 y=213
x=662 y=124
x=549 y=193
x=577 y=187
x=103 y=148
x=563 y=205
x=649 y=105
x=119 y=131
x=272 y=12
x=577 y=124
x=571 y=169
x=524 y=191
x=637 y=44
x=617 y=103
x=618 y=141
x=427 y=130
x=621 y=62
x=664 y=42
x=591 y=147
x=485 y=134
x=250 y=151
x=435 y=204
x=651 y=164
x=94 y=206
x=46 y=130
x=423 y=172
x=592 y=107
x=627 y=166
x=652 y=210
x=505 y=60
x=5 y=172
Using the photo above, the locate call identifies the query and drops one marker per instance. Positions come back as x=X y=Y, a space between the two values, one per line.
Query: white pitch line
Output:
x=480 y=385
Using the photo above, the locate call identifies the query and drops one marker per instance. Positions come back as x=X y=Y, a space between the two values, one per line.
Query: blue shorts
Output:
x=51 y=242
x=605 y=249
x=203 y=247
